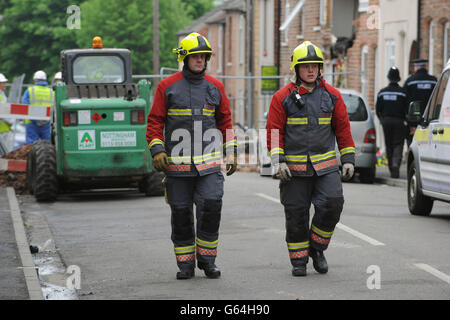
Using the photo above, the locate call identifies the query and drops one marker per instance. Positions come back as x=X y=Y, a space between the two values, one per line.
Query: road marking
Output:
x=433 y=271
x=262 y=195
x=360 y=235
x=339 y=225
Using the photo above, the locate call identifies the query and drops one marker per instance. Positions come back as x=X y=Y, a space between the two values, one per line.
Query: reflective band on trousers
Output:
x=206 y=248
x=184 y=254
x=207 y=244
x=322 y=233
x=298 y=245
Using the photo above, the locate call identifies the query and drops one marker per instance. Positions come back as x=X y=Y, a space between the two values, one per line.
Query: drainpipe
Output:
x=250 y=67
x=419 y=23
x=279 y=42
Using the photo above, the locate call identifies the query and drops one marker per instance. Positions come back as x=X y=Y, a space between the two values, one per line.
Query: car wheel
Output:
x=418 y=203
x=367 y=175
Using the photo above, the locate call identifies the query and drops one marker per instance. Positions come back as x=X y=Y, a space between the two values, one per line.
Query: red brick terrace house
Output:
x=434 y=31
x=257 y=37
x=225 y=28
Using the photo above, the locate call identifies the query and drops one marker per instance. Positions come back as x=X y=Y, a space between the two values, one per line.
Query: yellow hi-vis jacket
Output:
x=4 y=126
x=40 y=96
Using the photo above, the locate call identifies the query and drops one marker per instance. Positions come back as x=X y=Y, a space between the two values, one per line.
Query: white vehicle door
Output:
x=432 y=163
x=443 y=132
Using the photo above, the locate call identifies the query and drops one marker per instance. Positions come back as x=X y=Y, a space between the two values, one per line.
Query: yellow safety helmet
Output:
x=193 y=43
x=307 y=52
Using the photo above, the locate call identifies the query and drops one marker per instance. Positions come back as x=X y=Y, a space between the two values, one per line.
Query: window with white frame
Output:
x=323 y=12
x=390 y=54
x=431 y=48
x=363 y=6
x=267 y=46
x=364 y=60
x=302 y=25
x=220 y=49
x=241 y=39
x=287 y=10
x=446 y=42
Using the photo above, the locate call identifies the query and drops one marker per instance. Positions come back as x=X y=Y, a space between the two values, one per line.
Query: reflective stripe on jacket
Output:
x=305 y=137
x=182 y=122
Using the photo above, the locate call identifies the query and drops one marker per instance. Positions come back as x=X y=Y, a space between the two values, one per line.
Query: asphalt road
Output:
x=121 y=243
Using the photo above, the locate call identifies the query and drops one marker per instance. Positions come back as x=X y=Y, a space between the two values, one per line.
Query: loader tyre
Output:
x=45 y=182
x=152 y=184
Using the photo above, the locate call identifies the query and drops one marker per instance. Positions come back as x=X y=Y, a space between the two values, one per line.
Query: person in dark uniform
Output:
x=419 y=87
x=391 y=109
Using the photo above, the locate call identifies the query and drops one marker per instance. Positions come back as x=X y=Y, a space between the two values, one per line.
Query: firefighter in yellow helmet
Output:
x=194 y=105
x=306 y=118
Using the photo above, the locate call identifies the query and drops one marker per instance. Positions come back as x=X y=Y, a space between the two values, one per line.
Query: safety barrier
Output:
x=24 y=111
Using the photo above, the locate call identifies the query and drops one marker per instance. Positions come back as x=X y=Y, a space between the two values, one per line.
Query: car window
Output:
x=356 y=108
x=438 y=96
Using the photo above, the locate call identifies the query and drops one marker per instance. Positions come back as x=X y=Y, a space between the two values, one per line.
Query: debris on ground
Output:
x=17 y=180
x=19 y=154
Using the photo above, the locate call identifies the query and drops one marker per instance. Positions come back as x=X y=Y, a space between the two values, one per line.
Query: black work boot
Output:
x=186 y=273
x=299 y=271
x=211 y=271
x=395 y=172
x=319 y=261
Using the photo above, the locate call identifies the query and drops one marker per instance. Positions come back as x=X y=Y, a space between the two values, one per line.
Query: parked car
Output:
x=363 y=132
x=429 y=153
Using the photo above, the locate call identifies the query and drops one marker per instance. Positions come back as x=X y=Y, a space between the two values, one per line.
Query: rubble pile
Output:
x=19 y=154
x=17 y=180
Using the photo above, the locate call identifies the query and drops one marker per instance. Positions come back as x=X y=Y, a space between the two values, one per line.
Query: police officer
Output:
x=391 y=108
x=188 y=127
x=38 y=95
x=419 y=87
x=305 y=119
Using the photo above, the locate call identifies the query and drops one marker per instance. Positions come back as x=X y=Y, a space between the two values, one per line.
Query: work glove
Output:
x=231 y=163
x=348 y=170
x=282 y=172
x=161 y=161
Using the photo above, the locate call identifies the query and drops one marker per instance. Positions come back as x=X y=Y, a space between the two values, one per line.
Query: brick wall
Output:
x=364 y=37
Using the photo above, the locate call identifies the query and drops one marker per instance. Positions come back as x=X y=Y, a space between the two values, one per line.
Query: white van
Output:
x=429 y=153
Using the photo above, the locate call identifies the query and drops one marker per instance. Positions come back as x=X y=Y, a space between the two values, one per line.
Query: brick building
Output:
x=434 y=30
x=360 y=39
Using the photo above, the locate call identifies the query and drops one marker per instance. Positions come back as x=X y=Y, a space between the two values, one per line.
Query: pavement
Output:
x=16 y=280
x=383 y=176
x=12 y=278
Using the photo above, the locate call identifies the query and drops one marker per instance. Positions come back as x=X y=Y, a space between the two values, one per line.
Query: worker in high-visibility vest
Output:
x=5 y=124
x=38 y=95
